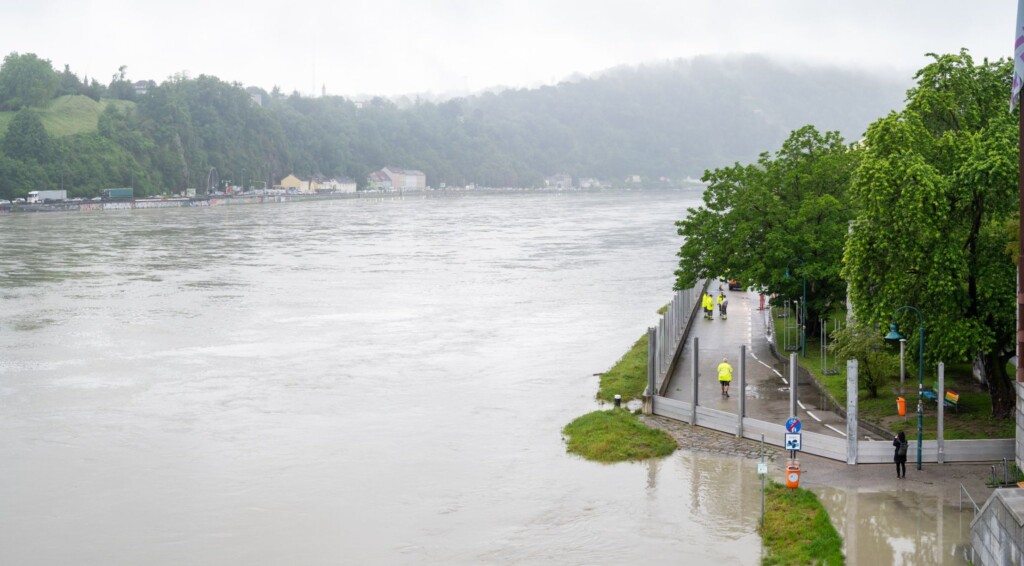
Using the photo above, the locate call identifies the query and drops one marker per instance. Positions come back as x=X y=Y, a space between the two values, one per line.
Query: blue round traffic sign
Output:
x=793 y=424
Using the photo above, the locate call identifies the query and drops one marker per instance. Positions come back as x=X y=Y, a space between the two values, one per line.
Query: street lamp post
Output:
x=895 y=335
x=803 y=308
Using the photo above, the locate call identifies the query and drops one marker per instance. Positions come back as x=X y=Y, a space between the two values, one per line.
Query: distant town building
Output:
x=317 y=184
x=335 y=185
x=560 y=181
x=142 y=87
x=395 y=179
x=294 y=183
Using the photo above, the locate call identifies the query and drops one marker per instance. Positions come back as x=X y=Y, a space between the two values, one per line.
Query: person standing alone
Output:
x=900 y=457
x=725 y=376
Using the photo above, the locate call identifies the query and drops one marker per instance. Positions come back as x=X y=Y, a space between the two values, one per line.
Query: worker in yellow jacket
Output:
x=725 y=376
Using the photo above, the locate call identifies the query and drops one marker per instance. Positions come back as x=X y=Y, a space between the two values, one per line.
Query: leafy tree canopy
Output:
x=787 y=211
x=26 y=80
x=26 y=139
x=936 y=190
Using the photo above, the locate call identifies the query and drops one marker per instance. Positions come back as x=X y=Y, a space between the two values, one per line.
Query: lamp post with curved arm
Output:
x=803 y=308
x=895 y=335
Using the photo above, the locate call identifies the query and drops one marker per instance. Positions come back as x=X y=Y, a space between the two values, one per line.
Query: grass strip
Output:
x=628 y=377
x=616 y=435
x=974 y=419
x=797 y=529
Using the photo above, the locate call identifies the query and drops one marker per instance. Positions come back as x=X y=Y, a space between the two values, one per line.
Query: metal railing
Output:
x=963 y=492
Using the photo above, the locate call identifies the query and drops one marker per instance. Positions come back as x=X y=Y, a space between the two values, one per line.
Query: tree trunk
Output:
x=1000 y=386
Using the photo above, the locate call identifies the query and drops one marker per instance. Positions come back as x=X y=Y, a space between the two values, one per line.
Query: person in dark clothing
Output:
x=900 y=457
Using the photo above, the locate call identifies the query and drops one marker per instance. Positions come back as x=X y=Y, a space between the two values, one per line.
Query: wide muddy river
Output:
x=369 y=381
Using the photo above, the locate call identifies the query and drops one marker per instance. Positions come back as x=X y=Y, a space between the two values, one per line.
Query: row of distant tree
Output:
x=671 y=120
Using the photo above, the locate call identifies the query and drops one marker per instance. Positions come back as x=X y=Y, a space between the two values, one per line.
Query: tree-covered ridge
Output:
x=671 y=120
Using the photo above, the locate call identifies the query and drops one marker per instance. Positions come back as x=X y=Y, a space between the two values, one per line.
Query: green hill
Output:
x=68 y=115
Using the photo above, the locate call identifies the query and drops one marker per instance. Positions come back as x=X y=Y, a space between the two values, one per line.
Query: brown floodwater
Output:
x=351 y=382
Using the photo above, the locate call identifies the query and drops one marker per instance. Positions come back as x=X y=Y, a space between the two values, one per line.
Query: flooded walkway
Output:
x=882 y=520
x=767 y=377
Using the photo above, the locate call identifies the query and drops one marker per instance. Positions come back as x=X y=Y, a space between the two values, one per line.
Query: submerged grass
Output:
x=797 y=529
x=616 y=435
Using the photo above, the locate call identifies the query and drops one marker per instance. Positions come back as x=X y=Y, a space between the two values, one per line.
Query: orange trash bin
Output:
x=793 y=474
x=901 y=406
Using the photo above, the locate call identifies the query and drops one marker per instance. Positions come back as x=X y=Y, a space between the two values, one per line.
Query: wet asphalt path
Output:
x=767 y=376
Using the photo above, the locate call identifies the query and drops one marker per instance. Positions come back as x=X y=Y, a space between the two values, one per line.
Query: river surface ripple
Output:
x=343 y=382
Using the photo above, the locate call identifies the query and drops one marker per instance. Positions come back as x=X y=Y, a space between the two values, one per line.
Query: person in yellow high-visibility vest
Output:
x=725 y=376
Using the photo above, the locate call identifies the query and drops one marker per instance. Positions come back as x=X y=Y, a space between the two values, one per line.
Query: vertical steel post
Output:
x=941 y=401
x=793 y=379
x=920 y=392
x=903 y=363
x=743 y=391
x=696 y=378
x=803 y=322
x=852 y=389
x=652 y=342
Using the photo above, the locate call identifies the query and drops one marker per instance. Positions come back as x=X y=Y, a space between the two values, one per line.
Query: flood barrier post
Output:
x=652 y=337
x=696 y=377
x=941 y=393
x=743 y=390
x=762 y=483
x=792 y=384
x=852 y=388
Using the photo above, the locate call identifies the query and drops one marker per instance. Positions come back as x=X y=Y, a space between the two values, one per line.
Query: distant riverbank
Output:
x=207 y=201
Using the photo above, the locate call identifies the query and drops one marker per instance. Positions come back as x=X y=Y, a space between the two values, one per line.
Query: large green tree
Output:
x=26 y=139
x=787 y=210
x=26 y=80
x=936 y=189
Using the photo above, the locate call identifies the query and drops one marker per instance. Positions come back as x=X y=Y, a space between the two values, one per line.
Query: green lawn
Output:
x=615 y=435
x=975 y=406
x=69 y=115
x=628 y=377
x=797 y=529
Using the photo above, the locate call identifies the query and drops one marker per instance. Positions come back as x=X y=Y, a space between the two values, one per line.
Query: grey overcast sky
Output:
x=391 y=47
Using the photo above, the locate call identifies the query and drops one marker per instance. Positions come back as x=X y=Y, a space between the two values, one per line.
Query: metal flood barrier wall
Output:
x=867 y=451
x=665 y=341
x=665 y=344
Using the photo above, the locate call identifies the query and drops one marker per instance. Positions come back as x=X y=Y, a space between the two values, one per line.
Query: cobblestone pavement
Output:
x=698 y=439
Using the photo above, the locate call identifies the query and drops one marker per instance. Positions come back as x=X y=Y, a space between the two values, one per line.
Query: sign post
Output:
x=793 y=444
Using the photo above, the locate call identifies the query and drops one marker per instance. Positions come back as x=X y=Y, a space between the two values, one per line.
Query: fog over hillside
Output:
x=669 y=120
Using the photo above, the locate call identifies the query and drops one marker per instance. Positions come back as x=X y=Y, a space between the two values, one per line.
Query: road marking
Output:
x=778 y=374
x=783 y=381
x=813 y=416
x=836 y=429
x=801 y=403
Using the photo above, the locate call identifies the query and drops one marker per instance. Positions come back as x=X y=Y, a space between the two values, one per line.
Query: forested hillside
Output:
x=671 y=120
